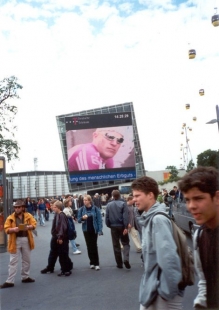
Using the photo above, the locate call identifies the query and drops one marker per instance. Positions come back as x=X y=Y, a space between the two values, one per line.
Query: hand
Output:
x=129 y=226
x=125 y=231
x=100 y=233
x=59 y=241
x=15 y=229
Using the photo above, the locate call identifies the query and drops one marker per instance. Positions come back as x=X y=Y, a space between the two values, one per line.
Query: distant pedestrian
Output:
x=200 y=189
x=41 y=207
x=117 y=220
x=19 y=226
x=159 y=288
x=131 y=226
x=69 y=213
x=90 y=217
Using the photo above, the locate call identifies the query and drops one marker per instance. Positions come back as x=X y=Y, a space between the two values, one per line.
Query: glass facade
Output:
x=125 y=107
x=36 y=184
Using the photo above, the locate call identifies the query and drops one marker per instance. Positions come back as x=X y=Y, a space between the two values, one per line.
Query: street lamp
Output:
x=213 y=121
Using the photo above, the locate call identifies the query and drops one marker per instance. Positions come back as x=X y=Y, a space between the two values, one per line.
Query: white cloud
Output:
x=71 y=64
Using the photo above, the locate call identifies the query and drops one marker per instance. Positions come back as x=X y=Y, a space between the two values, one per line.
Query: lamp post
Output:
x=213 y=121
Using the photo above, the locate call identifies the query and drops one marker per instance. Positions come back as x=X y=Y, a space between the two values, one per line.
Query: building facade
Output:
x=36 y=184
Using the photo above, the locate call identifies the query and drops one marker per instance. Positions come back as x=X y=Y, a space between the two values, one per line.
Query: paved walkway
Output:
x=108 y=289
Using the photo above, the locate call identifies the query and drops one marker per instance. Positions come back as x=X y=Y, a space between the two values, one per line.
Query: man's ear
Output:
x=217 y=197
x=95 y=134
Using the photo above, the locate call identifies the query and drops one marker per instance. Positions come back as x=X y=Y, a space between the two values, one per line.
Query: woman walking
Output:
x=90 y=217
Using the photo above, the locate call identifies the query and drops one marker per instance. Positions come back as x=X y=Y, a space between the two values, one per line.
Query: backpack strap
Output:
x=200 y=230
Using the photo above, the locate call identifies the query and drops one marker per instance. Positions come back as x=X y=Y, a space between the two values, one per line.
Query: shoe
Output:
x=127 y=265
x=28 y=280
x=6 y=285
x=119 y=266
x=47 y=270
x=97 y=268
x=77 y=244
x=77 y=252
x=66 y=274
x=92 y=266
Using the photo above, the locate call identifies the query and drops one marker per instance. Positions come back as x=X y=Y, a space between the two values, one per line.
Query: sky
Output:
x=74 y=55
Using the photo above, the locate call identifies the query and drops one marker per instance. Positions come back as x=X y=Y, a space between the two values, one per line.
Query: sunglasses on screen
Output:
x=112 y=138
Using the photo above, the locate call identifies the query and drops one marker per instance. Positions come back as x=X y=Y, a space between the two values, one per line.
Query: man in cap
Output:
x=98 y=154
x=19 y=226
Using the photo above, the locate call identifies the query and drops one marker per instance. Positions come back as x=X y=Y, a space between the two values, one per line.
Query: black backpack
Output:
x=185 y=253
x=71 y=232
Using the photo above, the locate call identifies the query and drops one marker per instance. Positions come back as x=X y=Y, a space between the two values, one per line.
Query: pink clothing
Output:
x=86 y=157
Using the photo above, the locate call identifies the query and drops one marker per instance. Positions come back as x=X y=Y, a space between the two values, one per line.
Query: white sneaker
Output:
x=77 y=252
x=92 y=266
x=97 y=268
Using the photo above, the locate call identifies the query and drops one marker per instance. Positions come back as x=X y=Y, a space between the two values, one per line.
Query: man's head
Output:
x=200 y=188
x=116 y=194
x=57 y=206
x=175 y=188
x=68 y=202
x=108 y=141
x=130 y=200
x=145 y=191
x=19 y=207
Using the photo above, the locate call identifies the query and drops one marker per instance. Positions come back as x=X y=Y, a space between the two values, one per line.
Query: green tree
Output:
x=173 y=173
x=8 y=90
x=190 y=166
x=208 y=158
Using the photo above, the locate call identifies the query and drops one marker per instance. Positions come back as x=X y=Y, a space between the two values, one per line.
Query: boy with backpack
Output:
x=159 y=288
x=59 y=243
x=200 y=188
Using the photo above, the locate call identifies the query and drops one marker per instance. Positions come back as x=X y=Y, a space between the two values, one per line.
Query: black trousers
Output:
x=59 y=251
x=92 y=249
x=117 y=235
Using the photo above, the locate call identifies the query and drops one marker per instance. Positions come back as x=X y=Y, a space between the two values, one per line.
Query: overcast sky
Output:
x=73 y=55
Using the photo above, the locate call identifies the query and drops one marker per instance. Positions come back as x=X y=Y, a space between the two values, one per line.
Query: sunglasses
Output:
x=18 y=207
x=112 y=138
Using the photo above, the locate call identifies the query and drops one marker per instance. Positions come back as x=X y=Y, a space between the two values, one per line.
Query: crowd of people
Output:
x=135 y=217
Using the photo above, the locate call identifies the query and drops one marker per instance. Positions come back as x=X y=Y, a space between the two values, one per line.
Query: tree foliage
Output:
x=190 y=166
x=173 y=175
x=8 y=90
x=208 y=158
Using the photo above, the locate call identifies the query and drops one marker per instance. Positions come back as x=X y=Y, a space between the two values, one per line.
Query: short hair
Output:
x=53 y=201
x=116 y=194
x=129 y=198
x=58 y=204
x=206 y=179
x=146 y=185
x=88 y=198
x=66 y=202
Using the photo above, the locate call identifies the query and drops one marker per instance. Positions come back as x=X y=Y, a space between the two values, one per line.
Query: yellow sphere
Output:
x=201 y=92
x=187 y=106
x=192 y=54
x=215 y=20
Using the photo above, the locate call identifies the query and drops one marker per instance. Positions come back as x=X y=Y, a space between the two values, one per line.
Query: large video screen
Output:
x=100 y=147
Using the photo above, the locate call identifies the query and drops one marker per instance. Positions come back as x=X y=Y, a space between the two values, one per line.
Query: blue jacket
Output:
x=97 y=219
x=162 y=267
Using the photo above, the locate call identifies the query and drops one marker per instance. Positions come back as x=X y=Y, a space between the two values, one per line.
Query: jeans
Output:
x=161 y=304
x=73 y=244
x=41 y=217
x=170 y=209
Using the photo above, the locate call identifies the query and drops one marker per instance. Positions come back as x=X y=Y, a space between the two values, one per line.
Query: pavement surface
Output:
x=109 y=288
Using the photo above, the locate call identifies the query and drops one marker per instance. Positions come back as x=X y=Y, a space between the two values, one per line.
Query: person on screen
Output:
x=98 y=154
